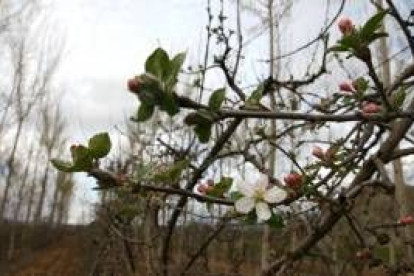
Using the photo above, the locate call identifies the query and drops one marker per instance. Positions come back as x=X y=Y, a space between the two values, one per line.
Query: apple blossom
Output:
x=258 y=196
x=346 y=26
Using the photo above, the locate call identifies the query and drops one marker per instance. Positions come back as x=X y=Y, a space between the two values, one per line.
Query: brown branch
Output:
x=204 y=246
x=407 y=73
x=230 y=79
x=403 y=24
x=296 y=116
x=327 y=222
x=401 y=153
x=385 y=226
x=383 y=173
x=378 y=84
x=193 y=181
x=172 y=191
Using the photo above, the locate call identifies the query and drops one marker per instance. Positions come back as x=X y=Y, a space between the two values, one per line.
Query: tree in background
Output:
x=31 y=125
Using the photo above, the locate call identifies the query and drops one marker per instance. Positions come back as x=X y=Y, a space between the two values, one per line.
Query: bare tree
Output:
x=52 y=138
x=32 y=80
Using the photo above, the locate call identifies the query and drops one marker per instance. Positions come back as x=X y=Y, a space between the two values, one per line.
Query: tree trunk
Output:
x=31 y=195
x=272 y=161
x=400 y=189
x=22 y=189
x=59 y=183
x=42 y=196
x=10 y=166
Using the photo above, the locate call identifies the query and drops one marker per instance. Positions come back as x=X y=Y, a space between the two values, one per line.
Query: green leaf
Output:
x=175 y=67
x=203 y=132
x=361 y=85
x=373 y=24
x=351 y=41
x=398 y=98
x=225 y=183
x=256 y=96
x=222 y=187
x=199 y=117
x=82 y=158
x=150 y=96
x=169 y=104
x=99 y=145
x=176 y=171
x=191 y=119
x=276 y=221
x=338 y=48
x=61 y=165
x=176 y=63
x=158 y=63
x=172 y=173
x=144 y=112
x=376 y=36
x=216 y=99
x=203 y=121
x=236 y=195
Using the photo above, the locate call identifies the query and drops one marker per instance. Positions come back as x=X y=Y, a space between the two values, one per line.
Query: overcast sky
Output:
x=107 y=42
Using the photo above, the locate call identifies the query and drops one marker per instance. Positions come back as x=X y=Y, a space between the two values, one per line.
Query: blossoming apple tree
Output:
x=378 y=117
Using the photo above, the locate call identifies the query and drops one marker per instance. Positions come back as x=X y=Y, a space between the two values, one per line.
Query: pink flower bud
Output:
x=133 y=85
x=346 y=26
x=202 y=189
x=293 y=180
x=346 y=86
x=406 y=220
x=370 y=108
x=318 y=152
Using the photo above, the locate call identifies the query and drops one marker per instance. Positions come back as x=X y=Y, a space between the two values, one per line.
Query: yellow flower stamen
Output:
x=258 y=195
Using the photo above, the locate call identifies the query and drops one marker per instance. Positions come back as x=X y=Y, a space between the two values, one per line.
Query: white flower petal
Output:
x=244 y=205
x=274 y=194
x=262 y=183
x=246 y=189
x=263 y=211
